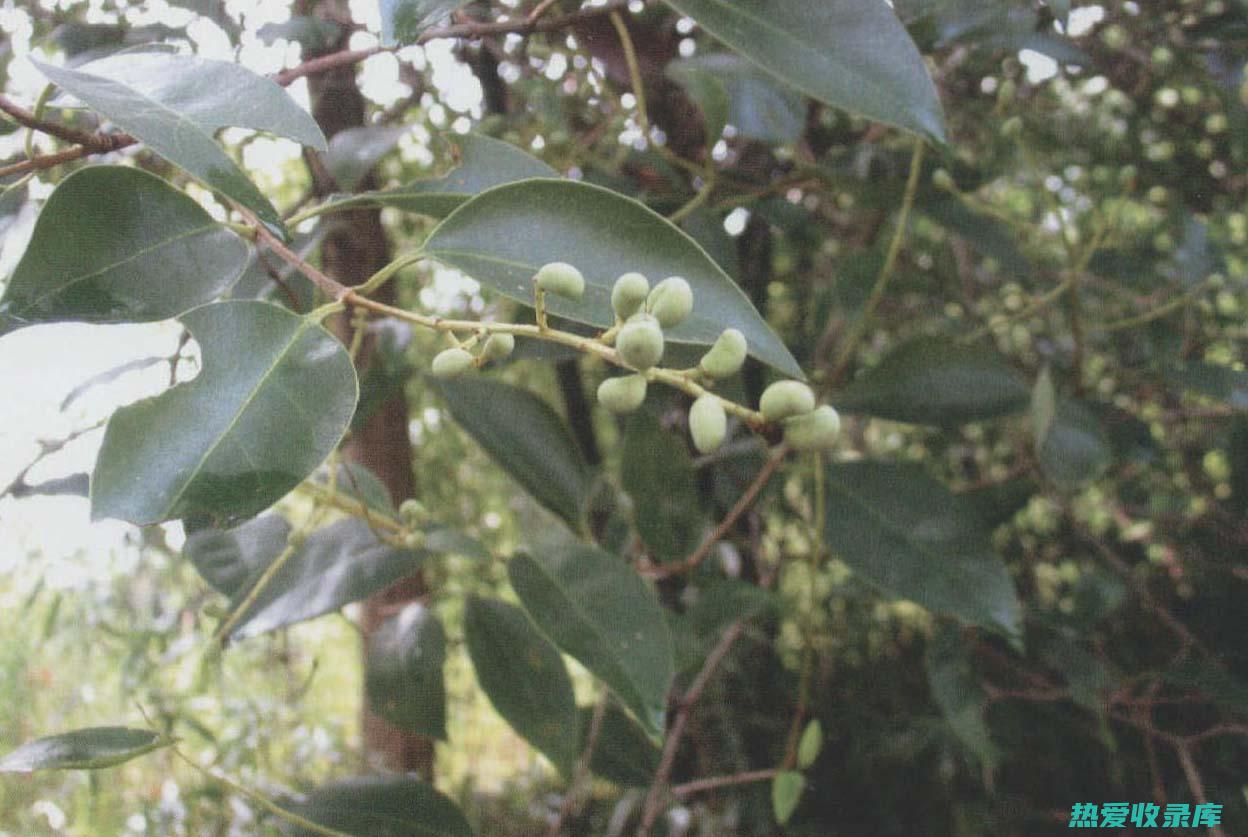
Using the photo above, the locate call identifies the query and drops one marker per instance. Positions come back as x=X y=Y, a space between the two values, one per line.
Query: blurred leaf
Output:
x=987 y=235
x=83 y=749
x=388 y=370
x=404 y=21
x=1089 y=677
x=257 y=281
x=1070 y=443
x=729 y=89
x=786 y=793
x=502 y=236
x=718 y=604
x=1212 y=680
x=956 y=689
x=810 y=744
x=250 y=427
x=1221 y=383
x=936 y=380
x=314 y=34
x=175 y=103
x=525 y=436
x=853 y=54
x=356 y=482
x=1196 y=256
x=708 y=93
x=403 y=671
x=380 y=806
x=353 y=152
x=227 y=559
x=596 y=608
x=996 y=504
x=623 y=754
x=670 y=520
x=524 y=678
x=158 y=255
x=906 y=533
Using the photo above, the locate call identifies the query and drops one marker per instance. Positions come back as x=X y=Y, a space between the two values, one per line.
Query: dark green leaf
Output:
x=353 y=152
x=526 y=437
x=906 y=533
x=248 y=429
x=403 y=671
x=1212 y=681
x=853 y=54
x=957 y=691
x=989 y=236
x=176 y=103
x=708 y=92
x=158 y=255
x=1070 y=443
x=935 y=380
x=502 y=236
x=670 y=521
x=227 y=559
x=1212 y=380
x=380 y=806
x=995 y=504
x=356 y=482
x=83 y=749
x=598 y=610
x=524 y=677
x=404 y=21
x=729 y=89
x=623 y=753
x=717 y=606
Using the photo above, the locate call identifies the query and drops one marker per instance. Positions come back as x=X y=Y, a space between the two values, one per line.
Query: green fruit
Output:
x=623 y=394
x=784 y=399
x=640 y=342
x=725 y=357
x=708 y=423
x=670 y=301
x=498 y=346
x=629 y=294
x=561 y=279
x=942 y=179
x=450 y=363
x=816 y=430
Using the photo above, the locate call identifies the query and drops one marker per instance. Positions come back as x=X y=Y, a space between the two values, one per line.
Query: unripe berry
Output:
x=816 y=430
x=498 y=346
x=670 y=301
x=623 y=394
x=640 y=342
x=629 y=294
x=785 y=399
x=450 y=363
x=1012 y=127
x=414 y=540
x=561 y=279
x=708 y=424
x=727 y=356
x=942 y=179
x=412 y=512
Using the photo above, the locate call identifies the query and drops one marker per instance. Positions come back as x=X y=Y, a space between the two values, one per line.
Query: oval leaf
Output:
x=502 y=236
x=786 y=792
x=934 y=380
x=852 y=54
x=83 y=749
x=623 y=754
x=403 y=671
x=273 y=399
x=158 y=255
x=380 y=806
x=526 y=437
x=596 y=609
x=524 y=678
x=670 y=521
x=910 y=536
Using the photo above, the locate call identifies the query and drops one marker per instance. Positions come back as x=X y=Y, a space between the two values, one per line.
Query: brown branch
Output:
x=716 y=782
x=46 y=161
x=95 y=141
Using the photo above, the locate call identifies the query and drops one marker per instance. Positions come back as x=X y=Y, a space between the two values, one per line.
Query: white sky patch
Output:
x=1082 y=20
x=1040 y=67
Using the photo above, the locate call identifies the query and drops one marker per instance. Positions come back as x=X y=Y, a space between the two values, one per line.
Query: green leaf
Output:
x=718 y=605
x=935 y=380
x=670 y=521
x=403 y=671
x=314 y=34
x=1221 y=383
x=83 y=749
x=337 y=565
x=116 y=245
x=989 y=236
x=404 y=21
x=176 y=103
x=380 y=806
x=598 y=610
x=729 y=89
x=1070 y=442
x=502 y=236
x=526 y=437
x=853 y=54
x=483 y=162
x=956 y=689
x=810 y=744
x=353 y=152
x=907 y=534
x=524 y=677
x=247 y=430
x=786 y=792
x=623 y=753
x=228 y=559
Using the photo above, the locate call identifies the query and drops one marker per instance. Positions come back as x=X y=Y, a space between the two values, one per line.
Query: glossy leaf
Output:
x=482 y=162
x=157 y=255
x=853 y=54
x=83 y=749
x=403 y=671
x=934 y=380
x=956 y=689
x=176 y=103
x=228 y=559
x=729 y=89
x=404 y=21
x=595 y=608
x=907 y=534
x=526 y=437
x=623 y=754
x=353 y=152
x=380 y=806
x=524 y=678
x=502 y=236
x=249 y=428
x=670 y=521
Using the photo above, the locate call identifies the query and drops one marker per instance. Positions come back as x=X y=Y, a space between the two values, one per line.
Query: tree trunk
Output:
x=354 y=248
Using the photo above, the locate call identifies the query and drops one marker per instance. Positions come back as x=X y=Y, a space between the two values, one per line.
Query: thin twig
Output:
x=717 y=782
